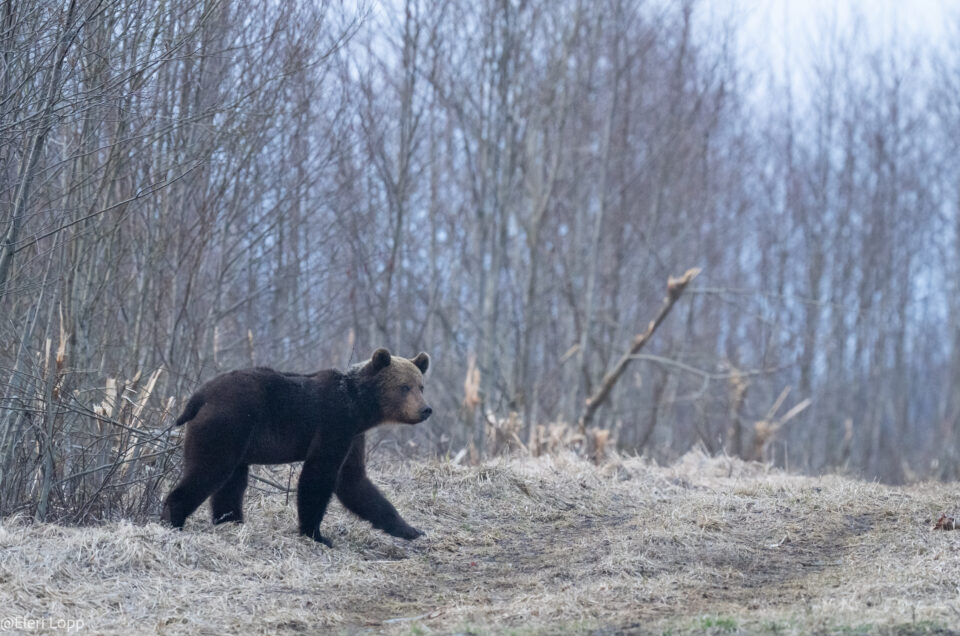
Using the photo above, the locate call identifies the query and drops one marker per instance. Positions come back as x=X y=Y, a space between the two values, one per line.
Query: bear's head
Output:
x=398 y=385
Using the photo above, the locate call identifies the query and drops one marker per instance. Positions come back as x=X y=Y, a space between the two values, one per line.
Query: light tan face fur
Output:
x=401 y=391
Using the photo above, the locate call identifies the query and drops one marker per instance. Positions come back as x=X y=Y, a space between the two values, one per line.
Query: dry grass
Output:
x=550 y=545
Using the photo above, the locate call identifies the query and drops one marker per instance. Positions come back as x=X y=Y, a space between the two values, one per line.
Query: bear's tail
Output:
x=193 y=405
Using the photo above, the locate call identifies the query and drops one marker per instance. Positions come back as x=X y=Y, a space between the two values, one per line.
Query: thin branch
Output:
x=675 y=287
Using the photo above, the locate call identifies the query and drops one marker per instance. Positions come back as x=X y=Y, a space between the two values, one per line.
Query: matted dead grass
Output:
x=548 y=545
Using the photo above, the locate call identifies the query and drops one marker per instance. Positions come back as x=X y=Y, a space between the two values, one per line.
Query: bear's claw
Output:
x=319 y=538
x=407 y=532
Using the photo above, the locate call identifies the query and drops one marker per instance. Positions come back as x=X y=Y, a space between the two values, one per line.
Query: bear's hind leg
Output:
x=213 y=448
x=187 y=496
x=227 y=503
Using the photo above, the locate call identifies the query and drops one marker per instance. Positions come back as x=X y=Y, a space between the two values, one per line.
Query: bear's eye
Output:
x=421 y=388
x=405 y=388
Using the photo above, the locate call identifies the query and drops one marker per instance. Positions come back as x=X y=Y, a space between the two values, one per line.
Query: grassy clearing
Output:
x=525 y=546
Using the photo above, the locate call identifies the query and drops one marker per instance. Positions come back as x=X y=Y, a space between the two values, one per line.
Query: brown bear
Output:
x=261 y=416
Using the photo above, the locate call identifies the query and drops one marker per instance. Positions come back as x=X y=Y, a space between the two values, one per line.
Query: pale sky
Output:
x=775 y=31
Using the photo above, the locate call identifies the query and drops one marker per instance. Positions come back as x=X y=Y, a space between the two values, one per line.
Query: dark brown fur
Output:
x=261 y=416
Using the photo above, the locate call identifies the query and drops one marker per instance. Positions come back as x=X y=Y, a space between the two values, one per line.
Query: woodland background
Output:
x=188 y=187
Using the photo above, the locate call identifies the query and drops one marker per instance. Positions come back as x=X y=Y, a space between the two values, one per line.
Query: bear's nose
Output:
x=425 y=413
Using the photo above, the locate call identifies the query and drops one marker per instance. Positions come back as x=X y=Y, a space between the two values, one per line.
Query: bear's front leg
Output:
x=318 y=479
x=362 y=498
x=358 y=494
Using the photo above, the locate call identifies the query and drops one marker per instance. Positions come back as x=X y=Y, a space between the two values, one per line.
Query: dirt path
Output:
x=545 y=546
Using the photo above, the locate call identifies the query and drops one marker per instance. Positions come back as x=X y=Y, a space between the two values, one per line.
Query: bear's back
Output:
x=280 y=412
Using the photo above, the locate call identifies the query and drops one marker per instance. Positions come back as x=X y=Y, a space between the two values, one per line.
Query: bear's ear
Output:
x=380 y=359
x=422 y=361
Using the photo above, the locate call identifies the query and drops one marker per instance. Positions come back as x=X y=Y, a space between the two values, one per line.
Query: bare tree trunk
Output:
x=43 y=124
x=593 y=253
